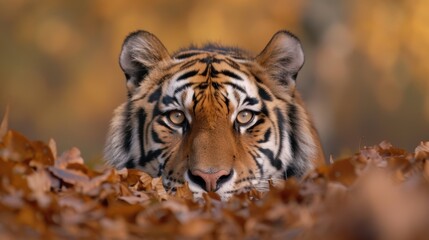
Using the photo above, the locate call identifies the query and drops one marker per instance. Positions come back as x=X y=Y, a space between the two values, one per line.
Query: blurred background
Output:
x=365 y=78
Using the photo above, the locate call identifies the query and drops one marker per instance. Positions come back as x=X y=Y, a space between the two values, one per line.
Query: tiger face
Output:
x=214 y=117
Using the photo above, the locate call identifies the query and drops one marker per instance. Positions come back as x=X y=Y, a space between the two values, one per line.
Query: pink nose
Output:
x=210 y=181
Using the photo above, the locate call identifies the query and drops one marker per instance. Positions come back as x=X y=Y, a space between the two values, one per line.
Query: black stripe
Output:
x=164 y=155
x=163 y=78
x=203 y=85
x=151 y=155
x=155 y=95
x=162 y=123
x=167 y=159
x=251 y=101
x=215 y=85
x=232 y=64
x=186 y=55
x=195 y=100
x=209 y=60
x=219 y=102
x=261 y=170
x=183 y=87
x=231 y=74
x=267 y=136
x=156 y=111
x=206 y=70
x=235 y=86
x=138 y=76
x=293 y=130
x=130 y=163
x=128 y=130
x=160 y=170
x=227 y=101
x=270 y=155
x=264 y=110
x=156 y=138
x=293 y=170
x=167 y=100
x=238 y=57
x=213 y=72
x=258 y=79
x=187 y=75
x=280 y=124
x=141 y=115
x=264 y=94
x=188 y=64
x=259 y=122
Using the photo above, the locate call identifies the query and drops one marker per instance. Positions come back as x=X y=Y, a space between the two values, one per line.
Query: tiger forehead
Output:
x=189 y=58
x=210 y=66
x=208 y=76
x=207 y=83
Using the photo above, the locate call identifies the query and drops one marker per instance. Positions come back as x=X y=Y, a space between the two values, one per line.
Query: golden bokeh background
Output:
x=365 y=79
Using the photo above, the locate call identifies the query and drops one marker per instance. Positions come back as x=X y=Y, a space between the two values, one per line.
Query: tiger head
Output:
x=214 y=117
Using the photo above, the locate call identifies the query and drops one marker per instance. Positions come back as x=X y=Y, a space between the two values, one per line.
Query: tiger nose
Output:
x=210 y=181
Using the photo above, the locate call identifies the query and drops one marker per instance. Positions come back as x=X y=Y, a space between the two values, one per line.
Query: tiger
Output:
x=216 y=118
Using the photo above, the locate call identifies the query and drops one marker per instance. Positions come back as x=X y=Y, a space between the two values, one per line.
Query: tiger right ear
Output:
x=141 y=51
x=282 y=58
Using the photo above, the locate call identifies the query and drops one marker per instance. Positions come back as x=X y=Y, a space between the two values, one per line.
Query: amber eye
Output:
x=177 y=117
x=244 y=117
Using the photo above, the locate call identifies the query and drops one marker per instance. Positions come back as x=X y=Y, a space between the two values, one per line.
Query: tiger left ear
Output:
x=141 y=52
x=282 y=58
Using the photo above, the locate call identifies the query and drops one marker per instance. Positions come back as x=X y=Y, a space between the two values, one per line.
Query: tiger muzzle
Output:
x=208 y=181
x=211 y=157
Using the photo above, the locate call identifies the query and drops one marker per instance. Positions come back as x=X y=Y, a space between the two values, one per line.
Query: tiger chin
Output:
x=216 y=117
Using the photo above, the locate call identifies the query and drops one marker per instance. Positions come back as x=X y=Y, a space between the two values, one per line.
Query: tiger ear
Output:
x=141 y=52
x=282 y=58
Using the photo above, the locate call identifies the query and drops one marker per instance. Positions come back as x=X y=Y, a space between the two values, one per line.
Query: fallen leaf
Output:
x=96 y=181
x=40 y=184
x=15 y=147
x=423 y=147
x=69 y=176
x=343 y=171
x=184 y=192
x=159 y=188
x=69 y=157
x=42 y=155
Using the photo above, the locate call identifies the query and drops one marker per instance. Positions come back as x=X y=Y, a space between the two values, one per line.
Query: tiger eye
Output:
x=244 y=117
x=176 y=117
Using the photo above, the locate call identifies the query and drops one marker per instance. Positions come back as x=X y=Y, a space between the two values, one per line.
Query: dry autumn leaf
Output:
x=423 y=147
x=69 y=157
